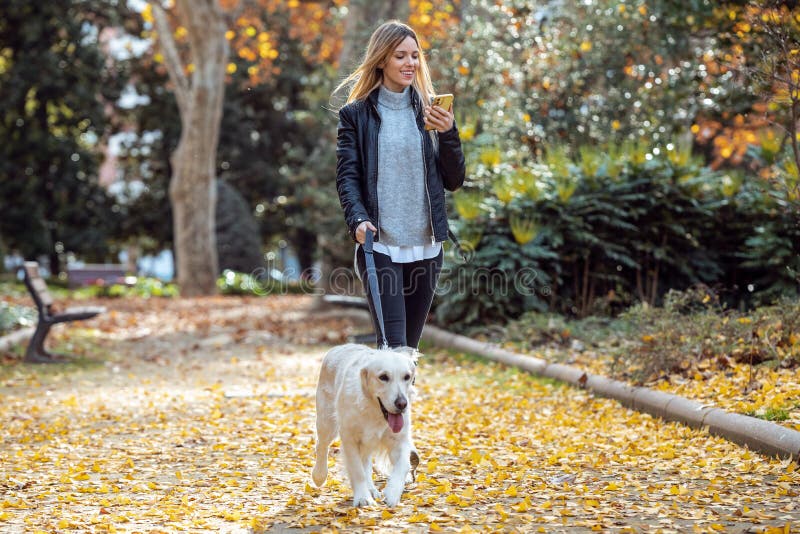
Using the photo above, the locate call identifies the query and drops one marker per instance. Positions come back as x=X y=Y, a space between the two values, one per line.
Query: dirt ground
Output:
x=197 y=415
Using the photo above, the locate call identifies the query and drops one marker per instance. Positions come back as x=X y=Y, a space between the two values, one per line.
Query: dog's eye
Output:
x=384 y=378
x=407 y=378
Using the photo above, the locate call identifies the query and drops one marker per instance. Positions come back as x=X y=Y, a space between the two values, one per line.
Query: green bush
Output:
x=14 y=317
x=693 y=325
x=143 y=288
x=238 y=237
x=499 y=281
x=258 y=284
x=609 y=228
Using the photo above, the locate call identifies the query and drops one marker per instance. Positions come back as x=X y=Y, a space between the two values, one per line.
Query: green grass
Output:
x=771 y=414
x=15 y=288
x=83 y=352
x=14 y=317
x=510 y=378
x=12 y=288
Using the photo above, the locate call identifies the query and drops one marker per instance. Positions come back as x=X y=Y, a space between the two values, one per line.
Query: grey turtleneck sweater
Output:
x=404 y=213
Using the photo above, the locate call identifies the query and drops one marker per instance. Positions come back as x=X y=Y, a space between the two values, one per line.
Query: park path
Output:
x=200 y=418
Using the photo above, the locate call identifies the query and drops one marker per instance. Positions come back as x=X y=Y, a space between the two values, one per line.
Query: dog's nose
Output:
x=401 y=403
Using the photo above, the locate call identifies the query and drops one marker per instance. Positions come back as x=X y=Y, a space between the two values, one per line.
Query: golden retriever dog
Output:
x=364 y=396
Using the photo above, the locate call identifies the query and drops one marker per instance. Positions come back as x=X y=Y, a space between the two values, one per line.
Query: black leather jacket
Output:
x=357 y=165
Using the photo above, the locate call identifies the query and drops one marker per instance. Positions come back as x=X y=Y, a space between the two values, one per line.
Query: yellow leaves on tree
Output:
x=730 y=140
x=254 y=34
x=762 y=26
x=432 y=19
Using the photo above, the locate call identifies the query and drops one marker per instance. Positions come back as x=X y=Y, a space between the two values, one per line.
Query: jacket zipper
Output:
x=377 y=201
x=427 y=193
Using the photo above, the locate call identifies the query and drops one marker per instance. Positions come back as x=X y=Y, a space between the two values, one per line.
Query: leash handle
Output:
x=461 y=250
x=372 y=280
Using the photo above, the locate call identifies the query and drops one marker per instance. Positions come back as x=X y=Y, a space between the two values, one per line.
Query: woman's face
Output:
x=401 y=66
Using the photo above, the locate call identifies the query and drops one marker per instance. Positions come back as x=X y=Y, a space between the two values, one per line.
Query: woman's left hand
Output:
x=439 y=118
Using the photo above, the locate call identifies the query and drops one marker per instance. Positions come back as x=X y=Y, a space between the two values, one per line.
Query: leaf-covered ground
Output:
x=757 y=390
x=198 y=415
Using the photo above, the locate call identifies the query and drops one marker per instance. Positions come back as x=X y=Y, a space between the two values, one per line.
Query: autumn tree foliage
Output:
x=56 y=89
x=772 y=29
x=569 y=101
x=195 y=42
x=329 y=34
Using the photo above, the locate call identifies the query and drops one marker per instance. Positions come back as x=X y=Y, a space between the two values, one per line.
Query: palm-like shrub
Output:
x=608 y=227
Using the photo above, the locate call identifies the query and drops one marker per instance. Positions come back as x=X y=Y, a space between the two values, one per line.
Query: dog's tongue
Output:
x=395 y=422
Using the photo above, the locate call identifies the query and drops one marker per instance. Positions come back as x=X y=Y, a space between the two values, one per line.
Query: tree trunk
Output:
x=192 y=187
x=192 y=191
x=363 y=17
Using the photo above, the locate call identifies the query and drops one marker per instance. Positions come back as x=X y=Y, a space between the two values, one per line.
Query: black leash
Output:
x=461 y=250
x=372 y=279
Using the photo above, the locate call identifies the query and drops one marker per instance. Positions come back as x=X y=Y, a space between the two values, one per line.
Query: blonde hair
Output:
x=368 y=75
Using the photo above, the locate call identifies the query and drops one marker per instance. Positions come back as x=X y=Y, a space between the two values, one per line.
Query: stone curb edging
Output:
x=15 y=337
x=759 y=435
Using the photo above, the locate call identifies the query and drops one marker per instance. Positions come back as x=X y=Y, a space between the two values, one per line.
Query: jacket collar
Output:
x=372 y=99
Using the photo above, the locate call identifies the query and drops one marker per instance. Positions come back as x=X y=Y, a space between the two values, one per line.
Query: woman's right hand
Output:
x=361 y=231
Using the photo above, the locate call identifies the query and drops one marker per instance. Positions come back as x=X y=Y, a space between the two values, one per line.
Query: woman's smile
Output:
x=400 y=68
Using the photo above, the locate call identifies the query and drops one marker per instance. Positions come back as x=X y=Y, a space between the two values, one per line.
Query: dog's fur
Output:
x=362 y=393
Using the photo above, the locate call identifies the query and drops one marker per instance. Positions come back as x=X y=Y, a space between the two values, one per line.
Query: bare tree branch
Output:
x=188 y=16
x=172 y=59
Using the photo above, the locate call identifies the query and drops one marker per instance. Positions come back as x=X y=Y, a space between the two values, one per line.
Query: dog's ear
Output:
x=365 y=381
x=411 y=352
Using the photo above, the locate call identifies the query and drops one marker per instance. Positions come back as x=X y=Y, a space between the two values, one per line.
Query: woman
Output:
x=391 y=174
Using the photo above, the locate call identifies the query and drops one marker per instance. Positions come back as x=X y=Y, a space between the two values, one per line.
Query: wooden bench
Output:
x=36 y=353
x=94 y=273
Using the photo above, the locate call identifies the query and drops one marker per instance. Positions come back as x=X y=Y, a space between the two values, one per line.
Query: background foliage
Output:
x=56 y=86
x=616 y=149
x=631 y=144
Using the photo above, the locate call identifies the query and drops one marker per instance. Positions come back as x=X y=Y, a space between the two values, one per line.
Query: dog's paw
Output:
x=360 y=500
x=319 y=473
x=392 y=493
x=376 y=493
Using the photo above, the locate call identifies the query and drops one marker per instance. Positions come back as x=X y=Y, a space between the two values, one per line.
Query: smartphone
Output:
x=444 y=101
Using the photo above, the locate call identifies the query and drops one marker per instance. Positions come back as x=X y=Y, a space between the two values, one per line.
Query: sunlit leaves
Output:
x=523 y=228
x=565 y=187
x=468 y=204
x=318 y=26
x=254 y=35
x=433 y=20
x=147 y=13
x=490 y=156
x=511 y=183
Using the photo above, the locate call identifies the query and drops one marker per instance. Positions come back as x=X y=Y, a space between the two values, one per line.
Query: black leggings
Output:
x=406 y=294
